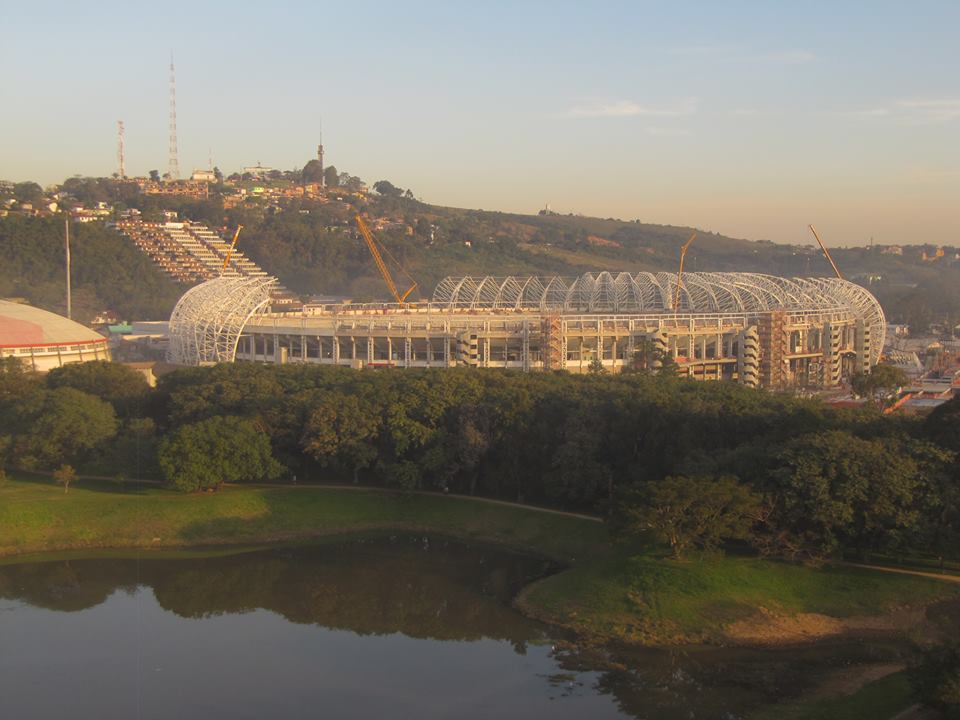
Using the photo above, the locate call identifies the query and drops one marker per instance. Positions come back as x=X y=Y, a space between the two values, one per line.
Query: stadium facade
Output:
x=42 y=340
x=758 y=330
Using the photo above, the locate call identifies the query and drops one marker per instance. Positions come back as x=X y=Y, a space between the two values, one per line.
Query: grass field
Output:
x=646 y=598
x=607 y=592
x=36 y=516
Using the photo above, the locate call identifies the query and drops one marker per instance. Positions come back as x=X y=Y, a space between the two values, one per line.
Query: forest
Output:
x=694 y=465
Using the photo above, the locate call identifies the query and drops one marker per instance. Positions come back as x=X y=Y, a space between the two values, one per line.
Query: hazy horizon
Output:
x=751 y=119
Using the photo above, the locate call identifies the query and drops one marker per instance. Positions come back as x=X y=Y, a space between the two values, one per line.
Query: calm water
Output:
x=389 y=627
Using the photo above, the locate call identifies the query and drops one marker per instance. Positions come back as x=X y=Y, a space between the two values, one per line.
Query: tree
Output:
x=64 y=475
x=880 y=385
x=596 y=367
x=690 y=511
x=331 y=178
x=423 y=228
x=832 y=490
x=936 y=679
x=63 y=425
x=27 y=192
x=222 y=449
x=943 y=425
x=385 y=187
x=122 y=386
x=649 y=359
x=312 y=172
x=155 y=175
x=342 y=430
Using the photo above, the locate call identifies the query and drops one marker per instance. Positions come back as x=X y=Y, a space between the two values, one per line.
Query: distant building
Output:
x=44 y=340
x=257 y=171
x=198 y=189
x=204 y=176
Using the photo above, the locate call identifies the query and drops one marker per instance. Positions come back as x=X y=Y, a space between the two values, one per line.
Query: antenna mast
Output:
x=174 y=169
x=123 y=169
x=320 y=154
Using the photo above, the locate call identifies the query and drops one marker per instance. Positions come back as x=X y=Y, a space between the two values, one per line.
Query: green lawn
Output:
x=644 y=598
x=37 y=516
x=606 y=592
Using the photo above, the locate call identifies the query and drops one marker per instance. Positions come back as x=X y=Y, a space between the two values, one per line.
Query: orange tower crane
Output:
x=233 y=245
x=826 y=252
x=683 y=254
x=381 y=265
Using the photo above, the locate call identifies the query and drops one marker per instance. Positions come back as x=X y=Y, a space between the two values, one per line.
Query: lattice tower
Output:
x=174 y=168
x=123 y=170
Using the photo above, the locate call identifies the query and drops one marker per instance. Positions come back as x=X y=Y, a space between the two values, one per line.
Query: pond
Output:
x=390 y=626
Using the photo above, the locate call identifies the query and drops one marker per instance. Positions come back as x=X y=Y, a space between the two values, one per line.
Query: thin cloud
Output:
x=738 y=54
x=930 y=110
x=666 y=131
x=629 y=108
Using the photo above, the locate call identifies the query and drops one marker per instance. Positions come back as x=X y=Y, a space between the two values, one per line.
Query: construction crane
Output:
x=381 y=265
x=226 y=260
x=826 y=252
x=683 y=254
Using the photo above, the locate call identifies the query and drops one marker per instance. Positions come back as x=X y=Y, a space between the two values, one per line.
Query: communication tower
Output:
x=123 y=169
x=320 y=156
x=174 y=168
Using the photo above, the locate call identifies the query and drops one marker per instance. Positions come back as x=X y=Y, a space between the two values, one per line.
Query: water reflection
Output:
x=422 y=587
x=401 y=626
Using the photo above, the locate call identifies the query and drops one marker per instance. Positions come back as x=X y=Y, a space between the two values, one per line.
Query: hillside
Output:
x=314 y=249
x=108 y=271
x=319 y=252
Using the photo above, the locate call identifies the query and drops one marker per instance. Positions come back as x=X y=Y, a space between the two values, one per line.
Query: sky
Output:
x=751 y=119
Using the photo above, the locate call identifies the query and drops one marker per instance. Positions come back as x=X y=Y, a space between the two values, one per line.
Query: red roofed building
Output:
x=44 y=340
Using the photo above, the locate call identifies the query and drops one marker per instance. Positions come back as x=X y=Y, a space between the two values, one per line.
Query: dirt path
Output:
x=904 y=571
x=423 y=493
x=773 y=628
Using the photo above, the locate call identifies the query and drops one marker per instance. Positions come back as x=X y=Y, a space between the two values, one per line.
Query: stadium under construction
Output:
x=758 y=330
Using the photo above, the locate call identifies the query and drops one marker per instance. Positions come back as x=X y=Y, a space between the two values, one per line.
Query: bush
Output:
x=937 y=680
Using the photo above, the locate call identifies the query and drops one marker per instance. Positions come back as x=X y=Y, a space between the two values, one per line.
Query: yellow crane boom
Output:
x=233 y=245
x=683 y=254
x=826 y=252
x=381 y=265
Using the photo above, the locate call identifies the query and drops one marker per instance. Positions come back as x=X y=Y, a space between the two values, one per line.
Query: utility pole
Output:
x=66 y=228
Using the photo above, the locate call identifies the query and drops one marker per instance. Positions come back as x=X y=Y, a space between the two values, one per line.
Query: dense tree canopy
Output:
x=218 y=450
x=63 y=425
x=121 y=386
x=816 y=481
